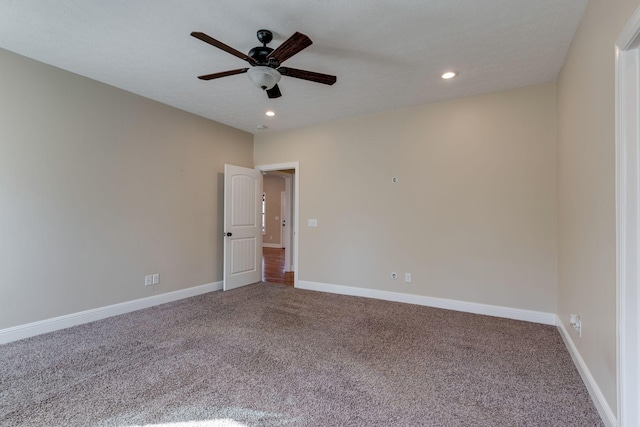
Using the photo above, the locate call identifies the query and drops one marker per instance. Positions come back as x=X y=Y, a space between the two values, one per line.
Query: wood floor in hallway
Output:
x=273 y=267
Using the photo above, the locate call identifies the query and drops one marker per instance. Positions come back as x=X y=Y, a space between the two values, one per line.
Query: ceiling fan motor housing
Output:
x=260 y=53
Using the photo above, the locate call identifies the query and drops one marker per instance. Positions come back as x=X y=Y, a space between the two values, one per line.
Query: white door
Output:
x=242 y=227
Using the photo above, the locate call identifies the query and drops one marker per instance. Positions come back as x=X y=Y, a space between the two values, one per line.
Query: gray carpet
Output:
x=271 y=355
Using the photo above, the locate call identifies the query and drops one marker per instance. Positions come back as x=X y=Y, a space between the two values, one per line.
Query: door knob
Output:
x=228 y=234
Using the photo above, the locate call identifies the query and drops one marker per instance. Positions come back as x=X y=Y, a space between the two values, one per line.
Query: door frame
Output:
x=288 y=188
x=627 y=54
x=296 y=209
x=284 y=223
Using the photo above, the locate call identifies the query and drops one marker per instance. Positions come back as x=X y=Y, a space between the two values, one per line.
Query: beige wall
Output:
x=273 y=186
x=473 y=216
x=99 y=187
x=586 y=187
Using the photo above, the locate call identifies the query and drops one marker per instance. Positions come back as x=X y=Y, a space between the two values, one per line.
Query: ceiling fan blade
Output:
x=207 y=39
x=308 y=75
x=223 y=74
x=290 y=47
x=274 y=92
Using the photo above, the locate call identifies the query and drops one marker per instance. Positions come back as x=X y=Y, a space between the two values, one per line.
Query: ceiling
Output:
x=386 y=54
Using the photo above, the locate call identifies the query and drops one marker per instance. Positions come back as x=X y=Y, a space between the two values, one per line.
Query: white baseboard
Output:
x=49 y=325
x=271 y=245
x=607 y=415
x=468 y=307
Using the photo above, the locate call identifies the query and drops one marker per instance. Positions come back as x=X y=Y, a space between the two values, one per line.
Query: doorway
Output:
x=280 y=262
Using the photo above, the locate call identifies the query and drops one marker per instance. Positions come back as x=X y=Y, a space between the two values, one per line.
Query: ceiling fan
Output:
x=265 y=71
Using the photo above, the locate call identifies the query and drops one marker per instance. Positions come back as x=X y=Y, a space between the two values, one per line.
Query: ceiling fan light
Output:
x=264 y=77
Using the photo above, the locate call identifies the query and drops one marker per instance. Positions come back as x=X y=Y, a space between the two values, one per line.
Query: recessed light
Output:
x=270 y=113
x=449 y=75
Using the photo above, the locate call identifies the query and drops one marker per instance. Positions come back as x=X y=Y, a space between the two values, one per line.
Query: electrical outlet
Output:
x=407 y=277
x=148 y=280
x=156 y=279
